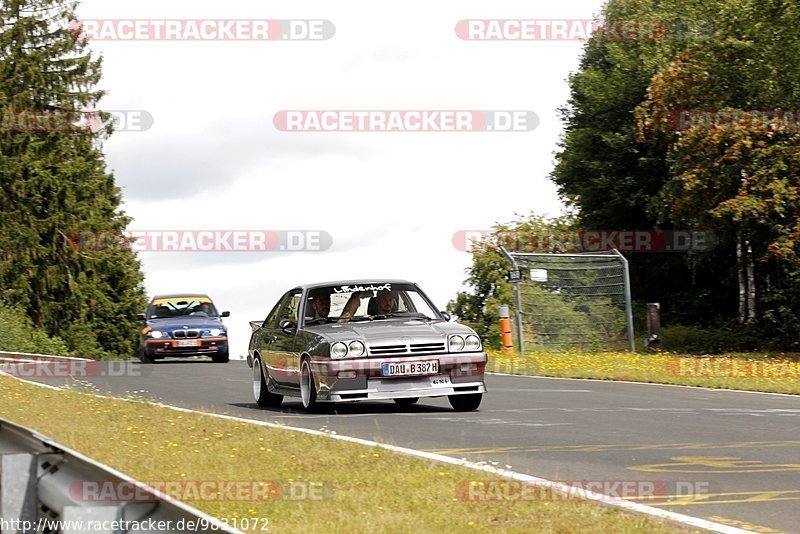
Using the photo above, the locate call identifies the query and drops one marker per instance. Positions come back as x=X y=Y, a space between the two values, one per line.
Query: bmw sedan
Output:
x=183 y=325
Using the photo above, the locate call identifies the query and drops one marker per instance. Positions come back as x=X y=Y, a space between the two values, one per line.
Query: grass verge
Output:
x=752 y=372
x=367 y=489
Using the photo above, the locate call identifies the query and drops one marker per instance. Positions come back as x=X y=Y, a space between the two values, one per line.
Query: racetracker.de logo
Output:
x=69 y=368
x=405 y=120
x=587 y=240
x=579 y=29
x=511 y=491
x=201 y=241
x=122 y=491
x=784 y=119
x=202 y=29
x=128 y=120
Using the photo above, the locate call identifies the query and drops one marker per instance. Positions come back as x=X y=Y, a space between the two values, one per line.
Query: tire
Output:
x=465 y=403
x=308 y=391
x=143 y=356
x=407 y=401
x=263 y=397
x=221 y=358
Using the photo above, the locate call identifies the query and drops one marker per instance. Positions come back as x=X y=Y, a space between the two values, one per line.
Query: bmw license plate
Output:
x=430 y=367
x=186 y=343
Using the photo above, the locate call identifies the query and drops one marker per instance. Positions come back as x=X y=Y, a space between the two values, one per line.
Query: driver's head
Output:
x=387 y=302
x=322 y=304
x=204 y=307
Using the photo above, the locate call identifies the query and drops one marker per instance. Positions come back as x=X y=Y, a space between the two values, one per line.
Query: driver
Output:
x=387 y=302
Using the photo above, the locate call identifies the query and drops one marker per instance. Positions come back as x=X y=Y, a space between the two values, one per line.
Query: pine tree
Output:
x=54 y=184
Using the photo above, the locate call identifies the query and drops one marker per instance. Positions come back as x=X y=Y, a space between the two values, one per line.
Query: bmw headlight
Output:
x=455 y=344
x=157 y=334
x=216 y=332
x=472 y=343
x=338 y=350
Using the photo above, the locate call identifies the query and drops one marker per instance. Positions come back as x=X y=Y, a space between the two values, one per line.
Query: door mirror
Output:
x=287 y=326
x=226 y=314
x=141 y=316
x=446 y=315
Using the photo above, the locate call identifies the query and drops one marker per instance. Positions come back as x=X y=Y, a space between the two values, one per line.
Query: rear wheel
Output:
x=408 y=401
x=465 y=403
x=221 y=358
x=308 y=391
x=263 y=397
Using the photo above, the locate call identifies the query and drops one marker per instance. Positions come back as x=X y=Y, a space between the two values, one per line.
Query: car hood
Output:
x=387 y=330
x=187 y=321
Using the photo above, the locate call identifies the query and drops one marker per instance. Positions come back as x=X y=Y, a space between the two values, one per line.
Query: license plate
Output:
x=186 y=343
x=411 y=368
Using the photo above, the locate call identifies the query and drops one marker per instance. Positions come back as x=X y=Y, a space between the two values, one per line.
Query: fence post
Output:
x=628 y=311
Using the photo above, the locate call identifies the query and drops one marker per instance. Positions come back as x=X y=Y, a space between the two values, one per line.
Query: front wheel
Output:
x=465 y=403
x=264 y=398
x=144 y=357
x=221 y=358
x=308 y=391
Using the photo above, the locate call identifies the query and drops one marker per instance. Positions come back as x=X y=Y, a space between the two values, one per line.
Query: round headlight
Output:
x=155 y=334
x=472 y=343
x=456 y=344
x=215 y=331
x=356 y=349
x=338 y=350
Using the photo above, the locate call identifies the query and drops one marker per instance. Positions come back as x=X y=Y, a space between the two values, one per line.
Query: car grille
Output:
x=181 y=334
x=413 y=348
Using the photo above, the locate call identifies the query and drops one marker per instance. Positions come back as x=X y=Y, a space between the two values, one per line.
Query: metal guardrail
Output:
x=26 y=356
x=38 y=478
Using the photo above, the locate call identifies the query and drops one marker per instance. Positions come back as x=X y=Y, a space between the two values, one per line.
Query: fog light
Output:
x=347 y=374
x=468 y=366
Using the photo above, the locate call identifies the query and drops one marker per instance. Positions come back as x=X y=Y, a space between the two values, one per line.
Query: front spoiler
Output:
x=388 y=389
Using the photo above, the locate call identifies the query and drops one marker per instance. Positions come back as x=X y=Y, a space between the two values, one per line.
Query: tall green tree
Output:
x=54 y=184
x=621 y=173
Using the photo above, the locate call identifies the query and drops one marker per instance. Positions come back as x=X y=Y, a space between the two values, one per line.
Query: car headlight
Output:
x=338 y=350
x=455 y=344
x=157 y=334
x=216 y=331
x=356 y=349
x=472 y=343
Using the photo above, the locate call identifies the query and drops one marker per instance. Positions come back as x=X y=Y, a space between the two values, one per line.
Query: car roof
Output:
x=358 y=281
x=179 y=295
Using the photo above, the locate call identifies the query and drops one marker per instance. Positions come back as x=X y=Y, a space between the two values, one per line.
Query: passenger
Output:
x=203 y=310
x=321 y=307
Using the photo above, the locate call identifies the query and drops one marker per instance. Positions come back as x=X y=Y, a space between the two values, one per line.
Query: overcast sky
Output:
x=390 y=201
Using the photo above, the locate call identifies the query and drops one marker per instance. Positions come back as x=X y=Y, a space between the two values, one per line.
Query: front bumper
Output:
x=159 y=348
x=351 y=380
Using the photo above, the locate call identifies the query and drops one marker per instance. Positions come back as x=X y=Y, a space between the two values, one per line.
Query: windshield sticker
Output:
x=353 y=289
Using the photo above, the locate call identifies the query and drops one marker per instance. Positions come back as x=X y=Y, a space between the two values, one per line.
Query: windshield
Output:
x=182 y=306
x=370 y=302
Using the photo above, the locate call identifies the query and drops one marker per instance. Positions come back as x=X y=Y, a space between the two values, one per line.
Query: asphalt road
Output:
x=736 y=454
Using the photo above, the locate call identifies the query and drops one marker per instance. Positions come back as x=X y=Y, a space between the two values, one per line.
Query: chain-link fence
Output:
x=578 y=301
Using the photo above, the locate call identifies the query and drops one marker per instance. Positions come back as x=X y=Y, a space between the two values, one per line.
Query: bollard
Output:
x=505 y=329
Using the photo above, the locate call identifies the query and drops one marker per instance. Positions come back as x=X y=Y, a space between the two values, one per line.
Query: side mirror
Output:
x=226 y=314
x=286 y=325
x=446 y=315
x=141 y=316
